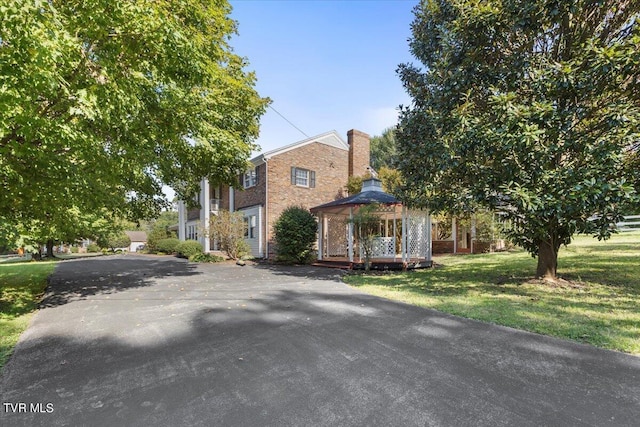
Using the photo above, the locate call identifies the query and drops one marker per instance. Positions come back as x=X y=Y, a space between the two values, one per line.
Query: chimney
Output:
x=359 y=152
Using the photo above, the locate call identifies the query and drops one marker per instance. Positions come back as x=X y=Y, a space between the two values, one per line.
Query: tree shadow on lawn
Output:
x=78 y=279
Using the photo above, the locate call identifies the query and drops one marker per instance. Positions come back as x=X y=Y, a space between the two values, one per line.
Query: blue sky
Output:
x=326 y=65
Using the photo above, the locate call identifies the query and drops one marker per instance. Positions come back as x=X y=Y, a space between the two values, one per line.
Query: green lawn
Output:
x=599 y=303
x=21 y=287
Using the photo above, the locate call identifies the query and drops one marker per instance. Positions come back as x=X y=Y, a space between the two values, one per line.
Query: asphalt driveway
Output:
x=135 y=340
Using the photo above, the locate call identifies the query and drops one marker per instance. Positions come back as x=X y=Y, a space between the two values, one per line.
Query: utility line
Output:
x=287 y=120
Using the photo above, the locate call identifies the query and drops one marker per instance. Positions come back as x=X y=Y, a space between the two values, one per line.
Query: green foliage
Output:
x=383 y=150
x=366 y=224
x=93 y=248
x=209 y=258
x=527 y=108
x=118 y=240
x=158 y=233
x=74 y=249
x=102 y=102
x=295 y=235
x=354 y=183
x=390 y=178
x=188 y=248
x=21 y=288
x=164 y=220
x=228 y=228
x=168 y=246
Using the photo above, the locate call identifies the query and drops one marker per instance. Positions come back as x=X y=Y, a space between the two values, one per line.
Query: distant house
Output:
x=138 y=239
x=306 y=173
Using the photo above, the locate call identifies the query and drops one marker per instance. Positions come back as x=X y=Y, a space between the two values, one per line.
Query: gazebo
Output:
x=402 y=239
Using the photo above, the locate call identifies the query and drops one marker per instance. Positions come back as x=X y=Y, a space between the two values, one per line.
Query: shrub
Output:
x=188 y=248
x=295 y=235
x=74 y=249
x=118 y=240
x=155 y=235
x=205 y=258
x=93 y=248
x=228 y=229
x=167 y=245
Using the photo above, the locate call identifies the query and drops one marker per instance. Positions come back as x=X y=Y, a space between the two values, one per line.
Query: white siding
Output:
x=255 y=238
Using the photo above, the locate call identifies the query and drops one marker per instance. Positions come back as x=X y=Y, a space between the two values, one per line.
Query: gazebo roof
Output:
x=371 y=193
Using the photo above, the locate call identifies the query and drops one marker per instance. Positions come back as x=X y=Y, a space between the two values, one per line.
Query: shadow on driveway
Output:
x=81 y=278
x=229 y=345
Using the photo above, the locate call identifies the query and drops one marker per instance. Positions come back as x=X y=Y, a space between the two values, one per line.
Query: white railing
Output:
x=630 y=223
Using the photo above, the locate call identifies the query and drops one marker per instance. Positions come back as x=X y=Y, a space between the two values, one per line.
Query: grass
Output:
x=21 y=288
x=598 y=303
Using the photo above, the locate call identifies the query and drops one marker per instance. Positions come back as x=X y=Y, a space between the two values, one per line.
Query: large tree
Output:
x=104 y=101
x=383 y=149
x=525 y=107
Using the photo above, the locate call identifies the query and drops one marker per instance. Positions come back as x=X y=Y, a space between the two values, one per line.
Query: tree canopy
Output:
x=104 y=101
x=529 y=108
x=383 y=149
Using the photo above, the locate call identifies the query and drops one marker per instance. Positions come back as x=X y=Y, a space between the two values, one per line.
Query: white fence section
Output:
x=630 y=223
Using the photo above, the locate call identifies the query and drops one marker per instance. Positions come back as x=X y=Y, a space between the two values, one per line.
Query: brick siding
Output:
x=330 y=165
x=359 y=152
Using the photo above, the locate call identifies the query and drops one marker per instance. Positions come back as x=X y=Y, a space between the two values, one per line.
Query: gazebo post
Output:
x=395 y=253
x=454 y=234
x=429 y=239
x=350 y=242
x=321 y=237
x=404 y=234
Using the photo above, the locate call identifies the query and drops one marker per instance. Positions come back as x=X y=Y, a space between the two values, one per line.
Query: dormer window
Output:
x=250 y=178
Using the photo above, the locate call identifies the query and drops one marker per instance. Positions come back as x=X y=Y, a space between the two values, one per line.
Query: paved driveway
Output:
x=156 y=341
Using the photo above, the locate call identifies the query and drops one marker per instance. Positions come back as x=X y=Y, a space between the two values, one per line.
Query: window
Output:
x=303 y=177
x=250 y=223
x=250 y=178
x=192 y=232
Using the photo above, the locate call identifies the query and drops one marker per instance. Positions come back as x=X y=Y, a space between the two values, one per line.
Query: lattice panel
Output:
x=337 y=236
x=383 y=247
x=417 y=238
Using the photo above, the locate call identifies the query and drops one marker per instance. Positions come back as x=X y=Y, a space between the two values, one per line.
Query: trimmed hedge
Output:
x=167 y=246
x=92 y=248
x=188 y=248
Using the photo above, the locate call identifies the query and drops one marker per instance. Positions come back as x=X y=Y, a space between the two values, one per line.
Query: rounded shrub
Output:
x=188 y=248
x=205 y=258
x=168 y=246
x=92 y=247
x=295 y=235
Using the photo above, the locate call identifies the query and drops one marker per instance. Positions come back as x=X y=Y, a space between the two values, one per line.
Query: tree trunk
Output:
x=50 y=249
x=547 y=261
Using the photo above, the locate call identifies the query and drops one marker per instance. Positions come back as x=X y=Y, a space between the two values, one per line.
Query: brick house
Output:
x=306 y=173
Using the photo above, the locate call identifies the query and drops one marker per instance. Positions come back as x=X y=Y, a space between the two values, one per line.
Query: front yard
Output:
x=21 y=288
x=597 y=303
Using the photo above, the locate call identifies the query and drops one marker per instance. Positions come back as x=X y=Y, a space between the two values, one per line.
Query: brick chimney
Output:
x=359 y=152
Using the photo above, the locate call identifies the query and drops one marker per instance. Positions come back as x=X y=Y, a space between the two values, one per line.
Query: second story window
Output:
x=250 y=178
x=303 y=177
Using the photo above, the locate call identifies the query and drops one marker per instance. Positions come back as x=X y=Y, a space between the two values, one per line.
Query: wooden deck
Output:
x=378 y=264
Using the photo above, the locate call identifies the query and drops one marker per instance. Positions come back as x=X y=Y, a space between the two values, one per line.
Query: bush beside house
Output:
x=168 y=246
x=188 y=248
x=295 y=235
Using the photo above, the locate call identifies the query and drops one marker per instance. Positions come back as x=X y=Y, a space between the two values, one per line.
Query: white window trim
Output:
x=249 y=178
x=306 y=177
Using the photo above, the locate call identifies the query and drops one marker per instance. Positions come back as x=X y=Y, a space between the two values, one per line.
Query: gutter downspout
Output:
x=266 y=209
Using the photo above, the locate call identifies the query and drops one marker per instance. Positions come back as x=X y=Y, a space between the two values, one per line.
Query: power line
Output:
x=287 y=120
